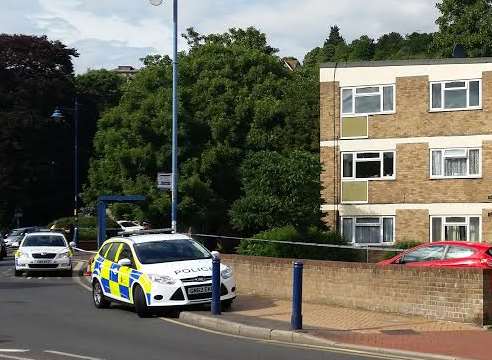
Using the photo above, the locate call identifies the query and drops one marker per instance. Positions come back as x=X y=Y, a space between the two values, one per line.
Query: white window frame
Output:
x=467 y=88
x=380 y=159
x=381 y=229
x=468 y=175
x=381 y=102
x=466 y=223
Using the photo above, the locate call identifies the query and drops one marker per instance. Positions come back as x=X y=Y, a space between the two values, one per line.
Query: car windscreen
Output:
x=44 y=240
x=16 y=232
x=170 y=250
x=128 y=224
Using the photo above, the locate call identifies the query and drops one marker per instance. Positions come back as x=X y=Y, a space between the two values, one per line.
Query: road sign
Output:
x=164 y=181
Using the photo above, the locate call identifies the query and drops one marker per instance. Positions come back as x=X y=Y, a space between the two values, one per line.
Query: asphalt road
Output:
x=52 y=317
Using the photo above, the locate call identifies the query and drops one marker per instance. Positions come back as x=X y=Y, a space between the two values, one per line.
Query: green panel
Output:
x=354 y=127
x=353 y=191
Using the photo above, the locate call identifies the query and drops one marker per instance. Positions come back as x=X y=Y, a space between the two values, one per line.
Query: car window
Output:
x=427 y=253
x=44 y=240
x=113 y=252
x=103 y=250
x=127 y=224
x=458 y=252
x=126 y=253
x=170 y=250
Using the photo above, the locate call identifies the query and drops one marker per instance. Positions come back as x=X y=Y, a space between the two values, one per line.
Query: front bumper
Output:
x=179 y=294
x=43 y=265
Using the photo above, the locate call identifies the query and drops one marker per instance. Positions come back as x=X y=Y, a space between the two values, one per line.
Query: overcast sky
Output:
x=108 y=33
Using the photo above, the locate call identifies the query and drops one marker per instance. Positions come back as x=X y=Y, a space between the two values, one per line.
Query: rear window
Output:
x=44 y=240
x=128 y=224
x=112 y=252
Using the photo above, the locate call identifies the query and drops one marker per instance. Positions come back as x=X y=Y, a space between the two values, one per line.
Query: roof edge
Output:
x=410 y=62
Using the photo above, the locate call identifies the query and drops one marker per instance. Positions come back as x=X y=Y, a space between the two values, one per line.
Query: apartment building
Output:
x=406 y=150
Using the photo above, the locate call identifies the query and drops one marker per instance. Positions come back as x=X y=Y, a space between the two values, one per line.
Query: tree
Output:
x=464 y=22
x=279 y=190
x=36 y=75
x=236 y=98
x=362 y=49
x=388 y=46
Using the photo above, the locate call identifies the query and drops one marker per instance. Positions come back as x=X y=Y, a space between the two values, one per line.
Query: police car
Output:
x=43 y=251
x=156 y=270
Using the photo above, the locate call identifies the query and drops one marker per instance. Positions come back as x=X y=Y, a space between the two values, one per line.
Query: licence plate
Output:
x=43 y=261
x=200 y=290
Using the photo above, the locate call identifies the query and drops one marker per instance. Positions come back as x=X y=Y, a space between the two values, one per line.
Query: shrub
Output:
x=290 y=233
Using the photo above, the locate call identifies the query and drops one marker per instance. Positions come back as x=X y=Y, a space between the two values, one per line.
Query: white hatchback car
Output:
x=43 y=251
x=158 y=270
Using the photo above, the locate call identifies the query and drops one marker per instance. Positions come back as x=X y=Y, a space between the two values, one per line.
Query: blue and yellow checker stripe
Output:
x=117 y=281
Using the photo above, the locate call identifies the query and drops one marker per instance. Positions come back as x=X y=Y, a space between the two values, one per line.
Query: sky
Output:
x=108 y=33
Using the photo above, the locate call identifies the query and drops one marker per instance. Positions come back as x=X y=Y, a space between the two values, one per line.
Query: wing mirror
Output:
x=124 y=262
x=72 y=244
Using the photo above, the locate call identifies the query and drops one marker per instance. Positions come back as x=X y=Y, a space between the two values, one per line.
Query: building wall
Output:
x=411 y=131
x=460 y=295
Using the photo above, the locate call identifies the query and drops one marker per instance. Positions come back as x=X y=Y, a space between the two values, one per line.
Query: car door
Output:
x=124 y=280
x=109 y=271
x=424 y=256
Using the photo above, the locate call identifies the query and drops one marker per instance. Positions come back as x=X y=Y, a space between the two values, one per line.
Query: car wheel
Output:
x=226 y=304
x=17 y=273
x=140 y=303
x=100 y=301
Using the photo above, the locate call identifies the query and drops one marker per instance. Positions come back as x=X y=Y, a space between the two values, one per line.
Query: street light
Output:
x=174 y=184
x=58 y=116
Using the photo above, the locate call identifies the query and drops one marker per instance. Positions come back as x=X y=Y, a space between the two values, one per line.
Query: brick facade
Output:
x=462 y=295
x=412 y=184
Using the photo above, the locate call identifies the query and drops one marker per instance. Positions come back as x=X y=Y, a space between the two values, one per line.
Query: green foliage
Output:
x=236 y=98
x=289 y=233
x=465 y=22
x=278 y=190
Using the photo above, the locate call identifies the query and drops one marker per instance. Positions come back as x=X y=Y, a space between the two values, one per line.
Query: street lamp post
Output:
x=58 y=115
x=174 y=161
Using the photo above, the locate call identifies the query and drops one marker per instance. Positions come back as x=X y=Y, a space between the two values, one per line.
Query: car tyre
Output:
x=140 y=303
x=226 y=304
x=100 y=300
x=17 y=273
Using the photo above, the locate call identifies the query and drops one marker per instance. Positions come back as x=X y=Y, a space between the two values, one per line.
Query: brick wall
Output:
x=462 y=295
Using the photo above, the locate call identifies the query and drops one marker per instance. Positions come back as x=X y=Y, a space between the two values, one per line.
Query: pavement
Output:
x=336 y=327
x=45 y=316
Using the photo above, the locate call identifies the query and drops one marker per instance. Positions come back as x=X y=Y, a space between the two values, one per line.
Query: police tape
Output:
x=359 y=247
x=84 y=251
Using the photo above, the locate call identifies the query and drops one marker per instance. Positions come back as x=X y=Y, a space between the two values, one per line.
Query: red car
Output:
x=445 y=254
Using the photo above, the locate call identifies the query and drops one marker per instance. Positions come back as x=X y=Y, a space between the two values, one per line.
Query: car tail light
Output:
x=486 y=261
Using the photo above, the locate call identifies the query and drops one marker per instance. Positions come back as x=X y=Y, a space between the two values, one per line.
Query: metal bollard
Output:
x=216 y=308
x=296 y=319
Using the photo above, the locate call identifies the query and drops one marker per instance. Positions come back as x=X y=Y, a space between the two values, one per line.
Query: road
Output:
x=52 y=317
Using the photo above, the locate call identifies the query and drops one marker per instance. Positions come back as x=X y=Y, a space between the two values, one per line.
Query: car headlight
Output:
x=20 y=254
x=162 y=279
x=226 y=273
x=64 y=255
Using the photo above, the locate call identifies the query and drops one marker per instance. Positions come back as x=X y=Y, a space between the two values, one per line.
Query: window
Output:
x=368 y=230
x=456 y=95
x=368 y=100
x=459 y=228
x=459 y=252
x=455 y=163
x=104 y=250
x=425 y=253
x=368 y=165
x=111 y=255
x=126 y=253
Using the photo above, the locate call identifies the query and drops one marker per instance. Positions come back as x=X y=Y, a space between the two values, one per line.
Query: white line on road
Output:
x=3 y=356
x=78 y=279
x=71 y=355
x=14 y=350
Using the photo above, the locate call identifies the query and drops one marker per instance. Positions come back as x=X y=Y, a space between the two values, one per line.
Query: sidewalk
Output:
x=366 y=328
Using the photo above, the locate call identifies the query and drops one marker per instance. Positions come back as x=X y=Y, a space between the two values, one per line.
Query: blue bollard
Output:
x=296 y=319
x=216 y=308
